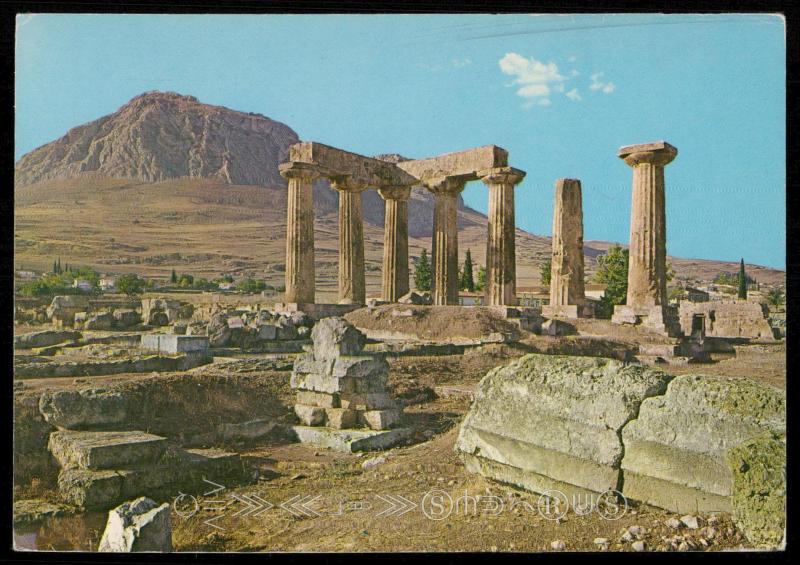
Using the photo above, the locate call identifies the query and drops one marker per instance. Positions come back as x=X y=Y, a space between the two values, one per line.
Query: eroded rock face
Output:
x=553 y=421
x=138 y=525
x=176 y=136
x=82 y=409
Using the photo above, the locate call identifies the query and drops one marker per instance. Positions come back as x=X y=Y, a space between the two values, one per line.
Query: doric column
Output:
x=395 y=242
x=647 y=282
x=501 y=263
x=566 y=274
x=445 y=239
x=300 y=283
x=352 y=288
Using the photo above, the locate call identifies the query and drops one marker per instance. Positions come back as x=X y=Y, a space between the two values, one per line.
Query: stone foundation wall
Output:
x=728 y=319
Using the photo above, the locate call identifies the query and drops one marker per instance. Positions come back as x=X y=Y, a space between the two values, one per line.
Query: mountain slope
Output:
x=163 y=135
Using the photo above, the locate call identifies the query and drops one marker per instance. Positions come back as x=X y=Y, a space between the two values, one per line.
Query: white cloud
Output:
x=597 y=84
x=534 y=78
x=459 y=63
x=572 y=59
x=574 y=95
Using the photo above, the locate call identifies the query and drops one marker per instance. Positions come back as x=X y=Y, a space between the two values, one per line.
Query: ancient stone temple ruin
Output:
x=647 y=281
x=445 y=176
x=340 y=389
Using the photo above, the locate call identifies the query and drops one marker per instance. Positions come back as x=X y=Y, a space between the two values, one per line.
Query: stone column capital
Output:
x=658 y=153
x=344 y=183
x=395 y=192
x=446 y=186
x=298 y=169
x=501 y=175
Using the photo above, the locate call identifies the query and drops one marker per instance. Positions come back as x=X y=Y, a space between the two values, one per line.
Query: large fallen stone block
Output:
x=553 y=421
x=138 y=525
x=351 y=441
x=81 y=409
x=105 y=450
x=45 y=338
x=688 y=448
x=126 y=318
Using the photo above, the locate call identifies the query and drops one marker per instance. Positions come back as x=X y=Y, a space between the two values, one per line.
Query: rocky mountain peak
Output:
x=165 y=135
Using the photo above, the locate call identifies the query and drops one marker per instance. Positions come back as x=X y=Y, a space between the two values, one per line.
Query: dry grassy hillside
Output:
x=206 y=228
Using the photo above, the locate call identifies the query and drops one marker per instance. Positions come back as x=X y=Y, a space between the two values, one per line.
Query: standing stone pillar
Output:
x=299 y=277
x=501 y=262
x=352 y=285
x=445 y=239
x=395 y=242
x=647 y=282
x=567 y=292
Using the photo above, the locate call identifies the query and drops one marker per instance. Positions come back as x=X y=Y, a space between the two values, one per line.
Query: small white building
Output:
x=81 y=284
x=108 y=284
x=26 y=275
x=227 y=286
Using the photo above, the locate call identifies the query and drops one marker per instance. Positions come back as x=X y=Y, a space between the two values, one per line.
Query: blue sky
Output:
x=560 y=93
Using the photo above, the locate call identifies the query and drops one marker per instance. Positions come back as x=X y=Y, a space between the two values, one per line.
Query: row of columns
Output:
x=500 y=246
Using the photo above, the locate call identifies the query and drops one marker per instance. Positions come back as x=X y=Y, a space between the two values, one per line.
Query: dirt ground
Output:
x=416 y=497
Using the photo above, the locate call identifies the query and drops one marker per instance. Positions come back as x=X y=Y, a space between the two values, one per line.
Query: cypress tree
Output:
x=742 y=281
x=55 y=267
x=422 y=272
x=59 y=266
x=467 y=281
x=174 y=277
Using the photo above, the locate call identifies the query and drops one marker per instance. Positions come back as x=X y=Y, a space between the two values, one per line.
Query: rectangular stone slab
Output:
x=672 y=496
x=464 y=164
x=351 y=441
x=529 y=458
x=528 y=480
x=104 y=450
x=360 y=169
x=679 y=466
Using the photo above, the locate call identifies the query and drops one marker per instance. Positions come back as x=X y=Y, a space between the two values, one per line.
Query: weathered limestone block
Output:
x=80 y=409
x=126 y=318
x=45 y=338
x=368 y=401
x=676 y=450
x=374 y=367
x=90 y=489
x=102 y=321
x=340 y=418
x=333 y=337
x=62 y=309
x=552 y=421
x=310 y=415
x=321 y=399
x=323 y=383
x=381 y=419
x=268 y=332
x=138 y=525
x=759 y=490
x=104 y=450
